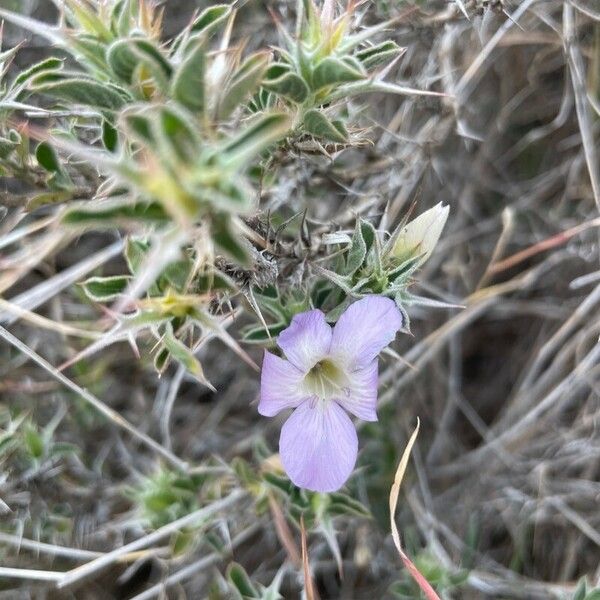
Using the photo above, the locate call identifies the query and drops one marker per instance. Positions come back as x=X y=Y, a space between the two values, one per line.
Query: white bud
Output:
x=421 y=235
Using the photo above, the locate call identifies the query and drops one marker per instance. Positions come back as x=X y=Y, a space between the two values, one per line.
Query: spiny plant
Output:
x=169 y=144
x=180 y=137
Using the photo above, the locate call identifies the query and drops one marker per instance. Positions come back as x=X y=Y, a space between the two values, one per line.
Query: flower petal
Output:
x=279 y=386
x=318 y=446
x=360 y=396
x=306 y=340
x=364 y=330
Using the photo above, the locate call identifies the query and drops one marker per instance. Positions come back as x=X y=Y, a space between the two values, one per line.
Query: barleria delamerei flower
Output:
x=329 y=372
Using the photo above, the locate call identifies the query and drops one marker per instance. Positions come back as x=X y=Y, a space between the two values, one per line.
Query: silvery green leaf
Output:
x=204 y=26
x=239 y=580
x=399 y=300
x=89 y=49
x=183 y=355
x=330 y=239
x=57 y=196
x=253 y=140
x=122 y=59
x=139 y=126
x=110 y=137
x=210 y=18
x=282 y=81
x=125 y=15
x=374 y=85
x=244 y=83
x=341 y=281
x=104 y=289
x=318 y=125
x=369 y=233
x=127 y=56
x=272 y=305
x=50 y=64
x=380 y=54
x=135 y=253
x=47 y=157
x=580 y=590
x=162 y=360
x=110 y=213
x=85 y=18
x=84 y=91
x=405 y=269
x=334 y=71
x=258 y=335
x=177 y=275
x=188 y=86
x=357 y=252
x=176 y=138
x=342 y=504
x=7 y=146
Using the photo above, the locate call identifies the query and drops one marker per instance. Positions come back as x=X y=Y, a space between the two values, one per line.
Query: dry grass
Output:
x=506 y=477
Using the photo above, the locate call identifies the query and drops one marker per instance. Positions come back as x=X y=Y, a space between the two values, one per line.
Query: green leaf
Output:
x=358 y=251
x=593 y=595
x=333 y=71
x=258 y=334
x=230 y=243
x=109 y=214
x=282 y=81
x=139 y=127
x=135 y=254
x=375 y=56
x=177 y=274
x=210 y=18
x=87 y=19
x=182 y=542
x=341 y=504
x=188 y=82
x=161 y=360
x=244 y=83
x=48 y=198
x=47 y=157
x=50 y=64
x=124 y=15
x=581 y=590
x=33 y=442
x=86 y=92
x=7 y=147
x=256 y=138
x=183 y=355
x=91 y=50
x=110 y=137
x=103 y=289
x=239 y=579
x=318 y=125
x=122 y=59
x=368 y=232
x=176 y=138
x=125 y=56
x=63 y=449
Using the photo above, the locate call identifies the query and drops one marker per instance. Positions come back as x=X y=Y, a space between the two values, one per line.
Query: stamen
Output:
x=326 y=380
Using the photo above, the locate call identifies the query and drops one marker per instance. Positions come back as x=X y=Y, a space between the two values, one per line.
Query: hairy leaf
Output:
x=317 y=124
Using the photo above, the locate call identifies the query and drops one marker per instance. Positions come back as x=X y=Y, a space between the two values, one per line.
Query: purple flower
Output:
x=327 y=372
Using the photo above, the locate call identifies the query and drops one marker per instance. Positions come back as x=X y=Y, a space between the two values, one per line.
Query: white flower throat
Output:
x=326 y=380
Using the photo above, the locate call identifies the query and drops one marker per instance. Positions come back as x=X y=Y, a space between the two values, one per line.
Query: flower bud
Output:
x=420 y=236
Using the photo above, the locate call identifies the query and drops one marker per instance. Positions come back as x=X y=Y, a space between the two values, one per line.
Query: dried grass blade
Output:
x=423 y=584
